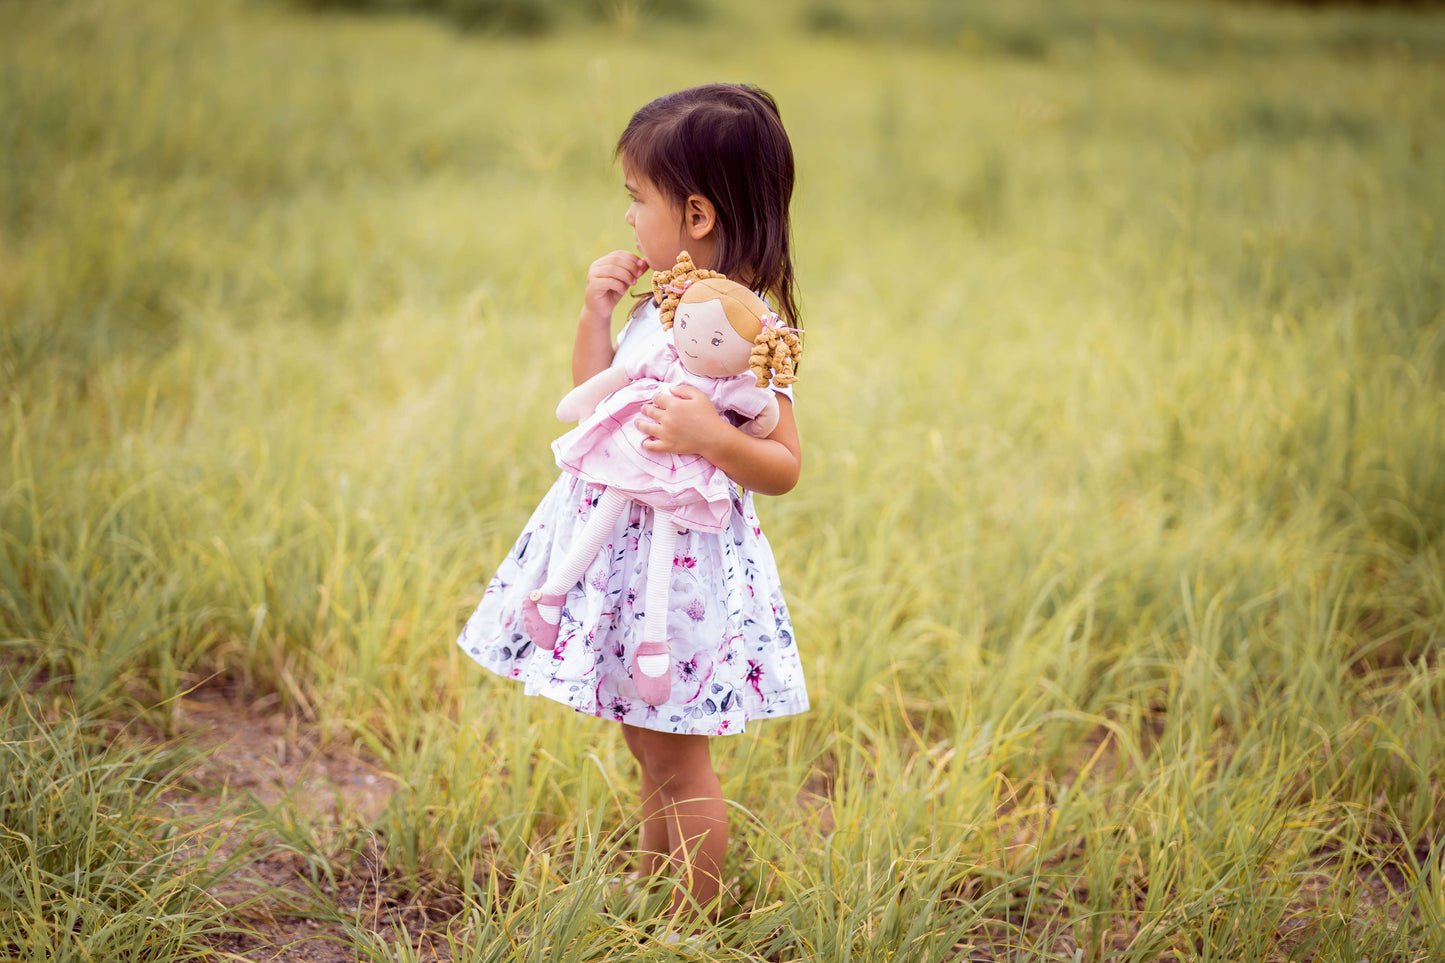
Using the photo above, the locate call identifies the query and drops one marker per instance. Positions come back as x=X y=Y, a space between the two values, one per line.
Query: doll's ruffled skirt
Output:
x=733 y=654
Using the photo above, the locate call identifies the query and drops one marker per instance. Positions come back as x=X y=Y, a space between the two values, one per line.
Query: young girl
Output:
x=709 y=170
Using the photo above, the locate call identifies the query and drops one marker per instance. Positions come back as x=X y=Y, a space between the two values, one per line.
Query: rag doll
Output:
x=727 y=343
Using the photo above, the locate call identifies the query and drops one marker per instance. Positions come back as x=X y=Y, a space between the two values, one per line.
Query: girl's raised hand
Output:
x=608 y=279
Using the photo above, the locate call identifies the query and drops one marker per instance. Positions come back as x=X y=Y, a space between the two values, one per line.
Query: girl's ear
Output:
x=699 y=216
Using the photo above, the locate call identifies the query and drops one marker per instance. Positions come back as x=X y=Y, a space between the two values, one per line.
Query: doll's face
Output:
x=706 y=342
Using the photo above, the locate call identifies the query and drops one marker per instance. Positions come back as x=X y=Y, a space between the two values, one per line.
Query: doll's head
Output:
x=721 y=328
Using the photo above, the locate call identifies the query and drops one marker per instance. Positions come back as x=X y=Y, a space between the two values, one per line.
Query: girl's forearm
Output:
x=682 y=420
x=761 y=465
x=768 y=466
x=592 y=349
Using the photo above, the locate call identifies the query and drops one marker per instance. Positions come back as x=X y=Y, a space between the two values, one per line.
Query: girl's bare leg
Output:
x=653 y=835
x=692 y=810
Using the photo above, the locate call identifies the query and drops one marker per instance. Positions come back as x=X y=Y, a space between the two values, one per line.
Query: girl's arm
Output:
x=683 y=421
x=582 y=400
x=608 y=279
x=592 y=349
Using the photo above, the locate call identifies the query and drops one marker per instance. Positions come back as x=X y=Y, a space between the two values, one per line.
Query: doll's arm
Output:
x=582 y=400
x=762 y=426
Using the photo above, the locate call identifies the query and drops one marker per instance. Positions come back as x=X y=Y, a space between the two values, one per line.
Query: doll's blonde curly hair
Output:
x=667 y=286
x=776 y=347
x=775 y=352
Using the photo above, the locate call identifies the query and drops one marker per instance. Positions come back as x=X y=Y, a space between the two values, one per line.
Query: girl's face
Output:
x=657 y=223
x=706 y=341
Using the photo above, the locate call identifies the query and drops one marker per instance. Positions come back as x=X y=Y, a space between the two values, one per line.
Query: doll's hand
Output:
x=608 y=279
x=762 y=426
x=681 y=420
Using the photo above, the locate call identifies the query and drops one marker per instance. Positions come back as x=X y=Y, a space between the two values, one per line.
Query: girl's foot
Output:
x=541 y=615
x=652 y=672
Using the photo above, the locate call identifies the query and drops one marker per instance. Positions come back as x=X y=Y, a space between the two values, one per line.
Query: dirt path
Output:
x=274 y=786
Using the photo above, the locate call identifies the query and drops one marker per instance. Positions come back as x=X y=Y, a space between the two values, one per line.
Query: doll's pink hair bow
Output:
x=775 y=321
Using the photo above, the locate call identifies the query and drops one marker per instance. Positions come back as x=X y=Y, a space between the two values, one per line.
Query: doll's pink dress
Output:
x=734 y=659
x=606 y=448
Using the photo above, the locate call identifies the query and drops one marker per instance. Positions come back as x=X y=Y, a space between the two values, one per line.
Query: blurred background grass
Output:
x=1117 y=562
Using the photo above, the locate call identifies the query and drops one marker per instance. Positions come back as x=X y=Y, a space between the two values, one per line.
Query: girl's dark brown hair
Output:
x=727 y=143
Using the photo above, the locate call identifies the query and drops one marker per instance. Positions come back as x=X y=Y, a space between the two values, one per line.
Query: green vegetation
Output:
x=516 y=17
x=1117 y=564
x=90 y=865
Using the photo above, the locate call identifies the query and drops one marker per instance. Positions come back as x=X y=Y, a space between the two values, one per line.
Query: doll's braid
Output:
x=667 y=286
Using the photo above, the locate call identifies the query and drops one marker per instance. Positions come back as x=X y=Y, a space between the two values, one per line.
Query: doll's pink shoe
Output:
x=652 y=672
x=542 y=633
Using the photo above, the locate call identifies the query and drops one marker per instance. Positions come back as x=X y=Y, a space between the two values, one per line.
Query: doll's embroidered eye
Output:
x=716 y=342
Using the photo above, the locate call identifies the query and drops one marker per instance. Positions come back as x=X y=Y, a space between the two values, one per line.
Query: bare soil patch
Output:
x=262 y=771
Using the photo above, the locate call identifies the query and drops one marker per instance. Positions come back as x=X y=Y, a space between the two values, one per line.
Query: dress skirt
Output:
x=733 y=654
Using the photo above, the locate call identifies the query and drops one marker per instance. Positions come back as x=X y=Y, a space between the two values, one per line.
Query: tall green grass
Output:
x=94 y=863
x=1116 y=564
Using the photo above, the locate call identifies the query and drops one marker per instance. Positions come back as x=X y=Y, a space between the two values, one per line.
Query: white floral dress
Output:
x=733 y=654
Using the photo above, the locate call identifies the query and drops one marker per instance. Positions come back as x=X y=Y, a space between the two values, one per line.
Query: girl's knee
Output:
x=669 y=758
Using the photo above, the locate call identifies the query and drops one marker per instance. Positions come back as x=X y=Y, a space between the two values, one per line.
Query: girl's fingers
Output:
x=622 y=261
x=610 y=274
x=621 y=273
x=608 y=279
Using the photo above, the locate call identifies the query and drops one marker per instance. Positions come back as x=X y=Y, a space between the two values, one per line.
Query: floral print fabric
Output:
x=733 y=653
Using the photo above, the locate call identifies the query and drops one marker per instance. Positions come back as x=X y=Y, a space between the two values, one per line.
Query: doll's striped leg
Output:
x=651 y=664
x=542 y=609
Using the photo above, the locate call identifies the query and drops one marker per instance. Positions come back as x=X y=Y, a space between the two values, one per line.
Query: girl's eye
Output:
x=716 y=342
x=682 y=322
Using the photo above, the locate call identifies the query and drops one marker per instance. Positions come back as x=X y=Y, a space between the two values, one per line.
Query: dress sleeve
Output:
x=742 y=395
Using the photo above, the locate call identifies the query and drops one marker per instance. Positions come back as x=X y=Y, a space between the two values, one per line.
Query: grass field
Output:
x=1117 y=563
